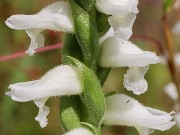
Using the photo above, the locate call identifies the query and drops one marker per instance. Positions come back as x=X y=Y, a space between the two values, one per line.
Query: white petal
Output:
x=62 y=80
x=171 y=90
x=117 y=7
x=56 y=16
x=116 y=52
x=37 y=40
x=124 y=110
x=79 y=131
x=43 y=112
x=109 y=34
x=134 y=80
x=122 y=25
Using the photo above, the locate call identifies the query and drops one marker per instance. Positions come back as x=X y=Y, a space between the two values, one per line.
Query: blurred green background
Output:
x=18 y=118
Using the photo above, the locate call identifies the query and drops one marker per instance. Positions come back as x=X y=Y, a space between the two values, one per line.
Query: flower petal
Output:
x=134 y=80
x=62 y=80
x=124 y=110
x=116 y=52
x=122 y=25
x=117 y=7
x=79 y=131
x=56 y=16
x=43 y=111
x=37 y=40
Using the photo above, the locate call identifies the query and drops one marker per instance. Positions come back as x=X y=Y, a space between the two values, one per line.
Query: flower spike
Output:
x=62 y=80
x=56 y=16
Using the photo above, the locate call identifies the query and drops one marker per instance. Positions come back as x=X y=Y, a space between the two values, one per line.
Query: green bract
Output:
x=92 y=95
x=86 y=34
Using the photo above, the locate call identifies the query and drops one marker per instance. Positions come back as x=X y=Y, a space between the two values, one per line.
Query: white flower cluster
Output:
x=115 y=51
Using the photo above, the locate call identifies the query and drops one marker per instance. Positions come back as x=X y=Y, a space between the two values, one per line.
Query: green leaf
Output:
x=167 y=5
x=92 y=97
x=86 y=34
x=70 y=110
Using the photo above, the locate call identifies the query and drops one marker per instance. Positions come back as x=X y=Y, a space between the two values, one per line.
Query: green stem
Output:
x=87 y=35
x=70 y=107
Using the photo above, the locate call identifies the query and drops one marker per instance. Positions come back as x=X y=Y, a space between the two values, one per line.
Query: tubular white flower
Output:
x=56 y=16
x=62 y=80
x=124 y=110
x=117 y=7
x=116 y=52
x=122 y=25
x=79 y=131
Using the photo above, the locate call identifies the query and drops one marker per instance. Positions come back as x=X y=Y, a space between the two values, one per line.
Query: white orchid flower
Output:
x=117 y=7
x=124 y=110
x=56 y=16
x=62 y=80
x=79 y=131
x=116 y=52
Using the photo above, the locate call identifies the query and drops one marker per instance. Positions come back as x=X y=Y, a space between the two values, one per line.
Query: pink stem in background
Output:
x=59 y=45
x=21 y=54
